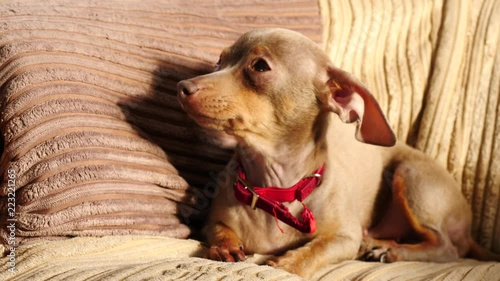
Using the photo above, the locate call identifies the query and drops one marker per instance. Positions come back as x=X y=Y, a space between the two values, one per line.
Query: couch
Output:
x=105 y=178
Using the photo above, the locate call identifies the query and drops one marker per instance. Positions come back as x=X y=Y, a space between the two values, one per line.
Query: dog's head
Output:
x=275 y=84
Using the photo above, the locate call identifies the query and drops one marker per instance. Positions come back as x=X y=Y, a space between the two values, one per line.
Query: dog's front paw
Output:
x=288 y=263
x=226 y=252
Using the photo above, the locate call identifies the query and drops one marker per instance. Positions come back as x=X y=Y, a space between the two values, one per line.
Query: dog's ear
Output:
x=353 y=103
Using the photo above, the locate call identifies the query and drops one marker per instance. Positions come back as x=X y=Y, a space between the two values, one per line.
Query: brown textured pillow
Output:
x=93 y=134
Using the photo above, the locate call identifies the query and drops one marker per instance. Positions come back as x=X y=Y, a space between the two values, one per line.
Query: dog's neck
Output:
x=280 y=167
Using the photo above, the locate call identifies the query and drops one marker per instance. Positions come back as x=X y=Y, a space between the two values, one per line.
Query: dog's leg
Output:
x=390 y=251
x=224 y=244
x=425 y=221
x=322 y=250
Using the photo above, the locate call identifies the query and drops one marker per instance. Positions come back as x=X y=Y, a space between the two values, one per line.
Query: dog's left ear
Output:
x=350 y=99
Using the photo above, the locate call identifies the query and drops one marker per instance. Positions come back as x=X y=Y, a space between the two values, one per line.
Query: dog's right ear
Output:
x=350 y=99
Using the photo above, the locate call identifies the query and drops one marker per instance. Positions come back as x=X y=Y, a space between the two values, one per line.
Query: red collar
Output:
x=270 y=199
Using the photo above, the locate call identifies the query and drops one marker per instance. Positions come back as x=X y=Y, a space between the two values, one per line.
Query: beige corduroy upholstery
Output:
x=100 y=146
x=435 y=68
x=93 y=131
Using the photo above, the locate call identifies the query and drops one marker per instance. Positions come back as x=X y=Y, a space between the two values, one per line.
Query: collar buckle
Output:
x=250 y=188
x=319 y=177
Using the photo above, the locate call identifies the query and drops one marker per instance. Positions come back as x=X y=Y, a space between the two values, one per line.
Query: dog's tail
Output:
x=479 y=253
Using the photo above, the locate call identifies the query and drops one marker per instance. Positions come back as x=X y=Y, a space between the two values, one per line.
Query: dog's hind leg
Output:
x=426 y=220
x=390 y=251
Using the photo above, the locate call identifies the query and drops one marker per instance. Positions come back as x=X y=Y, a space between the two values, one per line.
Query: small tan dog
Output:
x=302 y=186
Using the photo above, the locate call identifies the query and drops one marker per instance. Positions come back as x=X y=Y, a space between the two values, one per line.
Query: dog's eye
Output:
x=260 y=65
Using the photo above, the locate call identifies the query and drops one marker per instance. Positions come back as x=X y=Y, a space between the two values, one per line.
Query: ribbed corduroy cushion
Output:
x=162 y=258
x=92 y=129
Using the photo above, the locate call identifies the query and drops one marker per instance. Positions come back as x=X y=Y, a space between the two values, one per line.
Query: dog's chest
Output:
x=262 y=232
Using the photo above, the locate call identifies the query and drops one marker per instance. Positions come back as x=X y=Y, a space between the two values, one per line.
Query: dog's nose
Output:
x=186 y=88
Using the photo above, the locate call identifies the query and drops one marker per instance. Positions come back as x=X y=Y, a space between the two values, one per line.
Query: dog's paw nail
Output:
x=271 y=263
x=240 y=256
x=226 y=254
x=383 y=258
x=274 y=262
x=369 y=256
